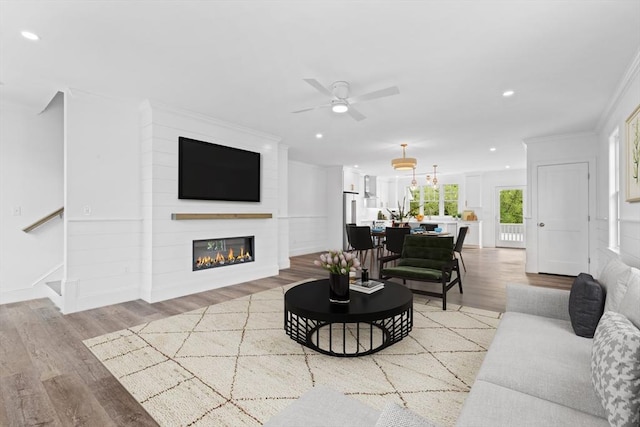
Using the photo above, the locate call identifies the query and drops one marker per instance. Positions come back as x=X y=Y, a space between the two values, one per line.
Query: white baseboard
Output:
x=182 y=289
x=116 y=296
x=18 y=295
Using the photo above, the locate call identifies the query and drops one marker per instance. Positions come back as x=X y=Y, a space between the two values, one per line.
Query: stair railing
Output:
x=44 y=220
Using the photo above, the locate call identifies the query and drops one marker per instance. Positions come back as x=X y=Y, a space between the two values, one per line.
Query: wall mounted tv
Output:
x=216 y=172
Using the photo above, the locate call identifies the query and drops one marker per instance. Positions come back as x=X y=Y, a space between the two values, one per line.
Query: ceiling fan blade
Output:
x=393 y=90
x=316 y=84
x=312 y=108
x=304 y=109
x=355 y=114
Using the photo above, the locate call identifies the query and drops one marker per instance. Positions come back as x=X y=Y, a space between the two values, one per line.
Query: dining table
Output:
x=380 y=233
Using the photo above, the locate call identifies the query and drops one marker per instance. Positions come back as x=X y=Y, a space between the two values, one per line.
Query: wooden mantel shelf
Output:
x=184 y=216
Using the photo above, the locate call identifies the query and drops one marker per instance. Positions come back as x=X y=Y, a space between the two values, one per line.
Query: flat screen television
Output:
x=216 y=172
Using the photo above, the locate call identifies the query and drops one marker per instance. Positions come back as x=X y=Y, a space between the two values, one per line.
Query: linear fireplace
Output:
x=212 y=253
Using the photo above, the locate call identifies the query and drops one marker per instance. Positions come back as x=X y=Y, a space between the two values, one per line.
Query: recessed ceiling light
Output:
x=319 y=135
x=355 y=166
x=29 y=35
x=507 y=167
x=492 y=149
x=508 y=93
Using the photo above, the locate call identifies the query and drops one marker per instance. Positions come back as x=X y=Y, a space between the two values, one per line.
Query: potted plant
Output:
x=339 y=264
x=403 y=215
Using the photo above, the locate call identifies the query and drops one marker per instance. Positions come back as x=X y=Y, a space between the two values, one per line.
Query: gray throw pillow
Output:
x=586 y=305
x=394 y=415
x=614 y=271
x=615 y=369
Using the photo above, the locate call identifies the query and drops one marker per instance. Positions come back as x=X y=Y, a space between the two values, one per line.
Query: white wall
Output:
x=103 y=223
x=31 y=187
x=167 y=247
x=283 y=207
x=623 y=103
x=308 y=211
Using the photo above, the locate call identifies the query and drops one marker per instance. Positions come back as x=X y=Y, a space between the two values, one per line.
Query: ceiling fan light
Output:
x=339 y=106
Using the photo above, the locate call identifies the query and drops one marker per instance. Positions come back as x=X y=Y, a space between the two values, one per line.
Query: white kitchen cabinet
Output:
x=474 y=234
x=473 y=191
x=351 y=181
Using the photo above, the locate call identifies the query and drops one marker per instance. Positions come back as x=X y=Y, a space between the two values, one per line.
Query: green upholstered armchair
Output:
x=426 y=259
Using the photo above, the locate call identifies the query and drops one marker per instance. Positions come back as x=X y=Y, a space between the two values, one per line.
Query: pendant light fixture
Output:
x=433 y=181
x=414 y=183
x=404 y=162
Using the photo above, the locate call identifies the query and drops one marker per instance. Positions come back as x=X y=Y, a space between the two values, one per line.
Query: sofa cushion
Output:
x=615 y=369
x=614 y=272
x=411 y=272
x=542 y=357
x=586 y=305
x=630 y=305
x=394 y=415
x=491 y=405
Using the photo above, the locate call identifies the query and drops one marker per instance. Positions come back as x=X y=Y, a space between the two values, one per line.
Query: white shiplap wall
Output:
x=307 y=208
x=167 y=244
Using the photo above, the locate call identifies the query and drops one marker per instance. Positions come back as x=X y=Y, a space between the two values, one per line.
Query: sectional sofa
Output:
x=538 y=371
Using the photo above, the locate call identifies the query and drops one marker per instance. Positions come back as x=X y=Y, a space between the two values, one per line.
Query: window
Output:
x=614 y=190
x=511 y=206
x=442 y=200
x=450 y=199
x=431 y=197
x=414 y=202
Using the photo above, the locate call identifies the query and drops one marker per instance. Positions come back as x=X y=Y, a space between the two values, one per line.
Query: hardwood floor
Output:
x=48 y=377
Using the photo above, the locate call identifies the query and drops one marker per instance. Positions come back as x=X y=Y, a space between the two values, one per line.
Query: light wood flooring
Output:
x=48 y=377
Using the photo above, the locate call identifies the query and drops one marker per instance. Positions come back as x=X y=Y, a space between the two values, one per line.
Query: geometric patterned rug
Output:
x=232 y=363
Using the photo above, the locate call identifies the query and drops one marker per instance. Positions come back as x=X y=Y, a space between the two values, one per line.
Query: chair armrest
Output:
x=546 y=302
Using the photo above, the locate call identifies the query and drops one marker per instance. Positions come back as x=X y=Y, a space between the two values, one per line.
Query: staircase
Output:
x=51 y=281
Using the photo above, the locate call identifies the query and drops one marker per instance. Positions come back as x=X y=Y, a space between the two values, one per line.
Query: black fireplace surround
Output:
x=213 y=253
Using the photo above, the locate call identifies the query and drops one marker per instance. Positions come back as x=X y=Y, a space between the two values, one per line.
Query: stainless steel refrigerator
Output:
x=349 y=214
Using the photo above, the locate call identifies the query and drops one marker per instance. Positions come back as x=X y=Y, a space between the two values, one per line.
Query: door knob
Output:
x=541 y=224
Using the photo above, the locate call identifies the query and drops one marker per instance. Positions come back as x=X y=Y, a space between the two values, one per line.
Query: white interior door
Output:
x=563 y=218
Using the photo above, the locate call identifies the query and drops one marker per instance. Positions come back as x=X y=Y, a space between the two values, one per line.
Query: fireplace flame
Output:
x=220 y=259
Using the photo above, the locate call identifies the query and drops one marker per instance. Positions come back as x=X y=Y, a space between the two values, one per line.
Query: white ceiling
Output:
x=245 y=61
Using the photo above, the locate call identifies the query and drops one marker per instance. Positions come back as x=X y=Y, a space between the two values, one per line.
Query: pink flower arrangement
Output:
x=338 y=262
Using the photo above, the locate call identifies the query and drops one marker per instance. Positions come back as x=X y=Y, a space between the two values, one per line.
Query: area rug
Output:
x=232 y=363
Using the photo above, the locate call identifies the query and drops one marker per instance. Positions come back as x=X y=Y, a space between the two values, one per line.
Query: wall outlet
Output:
x=86 y=210
x=17 y=210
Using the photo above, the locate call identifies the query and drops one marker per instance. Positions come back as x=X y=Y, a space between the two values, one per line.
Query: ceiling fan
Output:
x=340 y=100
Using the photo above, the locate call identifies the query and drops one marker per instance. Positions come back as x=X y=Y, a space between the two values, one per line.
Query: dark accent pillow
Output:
x=586 y=305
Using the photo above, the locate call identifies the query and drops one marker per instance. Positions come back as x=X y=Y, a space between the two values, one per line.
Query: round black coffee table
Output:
x=367 y=324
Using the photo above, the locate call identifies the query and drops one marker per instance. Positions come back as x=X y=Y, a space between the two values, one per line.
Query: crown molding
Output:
x=560 y=137
x=632 y=71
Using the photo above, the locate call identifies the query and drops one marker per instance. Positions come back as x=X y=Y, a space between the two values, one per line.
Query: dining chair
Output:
x=393 y=243
x=362 y=242
x=395 y=238
x=429 y=227
x=347 y=228
x=459 y=242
